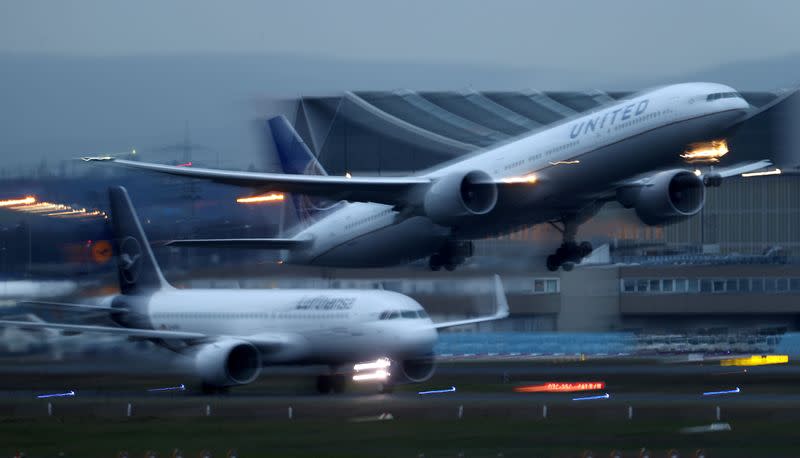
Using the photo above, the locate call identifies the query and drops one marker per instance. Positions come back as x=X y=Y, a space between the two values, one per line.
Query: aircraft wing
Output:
x=725 y=172
x=119 y=331
x=253 y=243
x=500 y=301
x=73 y=307
x=385 y=190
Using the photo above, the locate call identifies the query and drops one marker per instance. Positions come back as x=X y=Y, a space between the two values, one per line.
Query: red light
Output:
x=560 y=387
x=185 y=164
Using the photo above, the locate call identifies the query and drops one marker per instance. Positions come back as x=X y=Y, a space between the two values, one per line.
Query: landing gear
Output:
x=570 y=252
x=331 y=383
x=451 y=255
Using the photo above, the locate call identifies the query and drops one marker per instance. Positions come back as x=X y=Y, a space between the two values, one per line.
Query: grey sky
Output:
x=633 y=37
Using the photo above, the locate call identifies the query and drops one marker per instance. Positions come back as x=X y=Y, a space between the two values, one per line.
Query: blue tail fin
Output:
x=136 y=265
x=296 y=158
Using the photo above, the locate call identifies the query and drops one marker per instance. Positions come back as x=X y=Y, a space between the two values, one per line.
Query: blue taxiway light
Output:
x=169 y=388
x=715 y=393
x=452 y=389
x=592 y=398
x=56 y=395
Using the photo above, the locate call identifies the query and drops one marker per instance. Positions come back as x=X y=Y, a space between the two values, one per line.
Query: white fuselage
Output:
x=630 y=137
x=319 y=326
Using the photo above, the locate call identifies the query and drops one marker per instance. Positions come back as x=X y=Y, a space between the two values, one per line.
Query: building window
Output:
x=783 y=285
x=681 y=285
x=655 y=286
x=794 y=284
x=629 y=286
x=744 y=285
x=769 y=285
x=731 y=285
x=705 y=285
x=667 y=285
x=641 y=285
x=551 y=286
x=757 y=285
x=694 y=285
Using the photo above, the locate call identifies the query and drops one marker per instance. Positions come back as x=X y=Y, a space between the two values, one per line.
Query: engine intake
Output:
x=670 y=197
x=458 y=196
x=228 y=362
x=418 y=369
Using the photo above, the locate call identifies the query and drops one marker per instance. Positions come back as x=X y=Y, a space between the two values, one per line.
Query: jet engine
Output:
x=454 y=197
x=227 y=362
x=416 y=370
x=669 y=197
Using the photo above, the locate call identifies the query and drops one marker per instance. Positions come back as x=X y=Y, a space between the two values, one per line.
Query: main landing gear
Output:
x=570 y=252
x=451 y=255
x=331 y=383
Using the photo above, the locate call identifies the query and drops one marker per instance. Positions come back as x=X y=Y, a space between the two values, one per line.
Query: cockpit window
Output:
x=422 y=314
x=408 y=314
x=393 y=315
x=723 y=95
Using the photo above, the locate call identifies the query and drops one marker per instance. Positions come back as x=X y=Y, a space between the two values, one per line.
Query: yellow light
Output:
x=271 y=197
x=16 y=202
x=706 y=151
x=525 y=179
x=697 y=172
x=348 y=175
x=762 y=174
x=756 y=360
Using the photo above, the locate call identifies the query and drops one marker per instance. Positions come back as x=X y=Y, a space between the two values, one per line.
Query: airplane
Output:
x=645 y=151
x=229 y=335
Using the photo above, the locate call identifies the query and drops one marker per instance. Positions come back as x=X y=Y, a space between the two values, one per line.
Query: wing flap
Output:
x=131 y=332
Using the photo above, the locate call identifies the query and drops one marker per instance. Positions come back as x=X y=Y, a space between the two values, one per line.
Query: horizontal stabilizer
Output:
x=252 y=244
x=72 y=307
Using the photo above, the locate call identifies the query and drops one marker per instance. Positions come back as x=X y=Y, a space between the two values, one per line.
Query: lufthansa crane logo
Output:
x=130 y=255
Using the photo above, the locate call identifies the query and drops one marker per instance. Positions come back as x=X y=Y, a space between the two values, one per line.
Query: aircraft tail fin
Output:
x=136 y=266
x=296 y=158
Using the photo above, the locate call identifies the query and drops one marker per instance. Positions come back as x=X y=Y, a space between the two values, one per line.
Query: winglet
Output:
x=500 y=298
x=501 y=311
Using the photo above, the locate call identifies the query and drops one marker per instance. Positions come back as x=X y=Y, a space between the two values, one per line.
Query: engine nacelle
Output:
x=228 y=362
x=460 y=195
x=415 y=370
x=671 y=196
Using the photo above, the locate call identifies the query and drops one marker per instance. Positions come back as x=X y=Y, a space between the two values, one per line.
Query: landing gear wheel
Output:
x=435 y=262
x=386 y=388
x=553 y=263
x=568 y=266
x=324 y=384
x=338 y=383
x=585 y=249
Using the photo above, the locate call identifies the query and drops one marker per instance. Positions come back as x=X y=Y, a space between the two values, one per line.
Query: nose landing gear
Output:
x=451 y=255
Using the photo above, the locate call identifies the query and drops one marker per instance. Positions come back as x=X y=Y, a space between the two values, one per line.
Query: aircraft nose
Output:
x=418 y=340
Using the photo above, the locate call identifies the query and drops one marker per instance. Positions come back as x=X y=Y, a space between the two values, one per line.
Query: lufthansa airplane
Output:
x=654 y=152
x=229 y=335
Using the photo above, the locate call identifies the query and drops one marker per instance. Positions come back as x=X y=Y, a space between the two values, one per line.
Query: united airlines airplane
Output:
x=654 y=152
x=231 y=334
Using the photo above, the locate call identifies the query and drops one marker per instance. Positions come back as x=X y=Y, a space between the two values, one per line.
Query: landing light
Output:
x=762 y=174
x=271 y=197
x=377 y=375
x=706 y=152
x=525 y=179
x=380 y=363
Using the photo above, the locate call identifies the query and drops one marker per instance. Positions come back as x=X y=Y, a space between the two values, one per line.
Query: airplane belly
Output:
x=395 y=244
